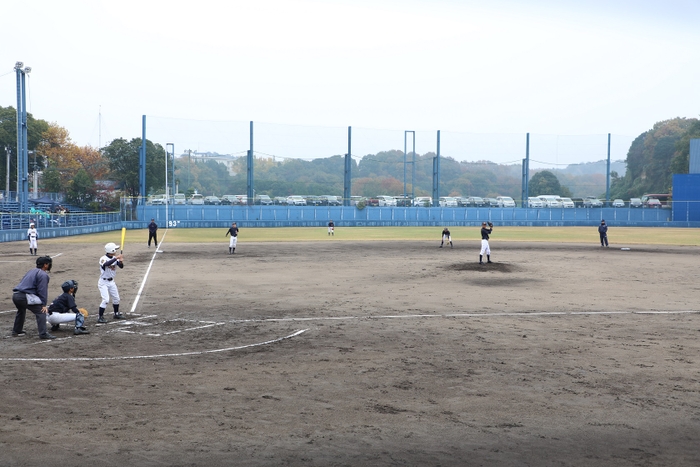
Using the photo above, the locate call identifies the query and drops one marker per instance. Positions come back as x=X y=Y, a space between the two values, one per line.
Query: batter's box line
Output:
x=141 y=357
x=152 y=334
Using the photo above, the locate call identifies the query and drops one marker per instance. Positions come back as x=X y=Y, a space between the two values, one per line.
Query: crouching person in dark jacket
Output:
x=64 y=310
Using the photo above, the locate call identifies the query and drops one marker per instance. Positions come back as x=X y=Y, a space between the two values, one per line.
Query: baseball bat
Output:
x=123 y=237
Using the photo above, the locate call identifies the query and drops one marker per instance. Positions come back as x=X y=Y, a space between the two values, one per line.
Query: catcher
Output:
x=64 y=310
x=485 y=249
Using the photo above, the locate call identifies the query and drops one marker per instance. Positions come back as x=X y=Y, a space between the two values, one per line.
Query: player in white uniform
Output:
x=106 y=284
x=32 y=236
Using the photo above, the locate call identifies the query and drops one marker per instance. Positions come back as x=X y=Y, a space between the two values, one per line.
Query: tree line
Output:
x=80 y=172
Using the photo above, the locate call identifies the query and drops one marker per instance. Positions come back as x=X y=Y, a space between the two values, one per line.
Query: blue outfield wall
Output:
x=350 y=216
x=54 y=232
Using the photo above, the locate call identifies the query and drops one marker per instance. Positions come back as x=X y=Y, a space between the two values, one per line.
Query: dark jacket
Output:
x=35 y=282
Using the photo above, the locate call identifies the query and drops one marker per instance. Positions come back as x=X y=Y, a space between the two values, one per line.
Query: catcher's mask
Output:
x=72 y=284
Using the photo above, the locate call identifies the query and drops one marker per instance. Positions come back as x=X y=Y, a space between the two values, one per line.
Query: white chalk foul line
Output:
x=522 y=314
x=164 y=355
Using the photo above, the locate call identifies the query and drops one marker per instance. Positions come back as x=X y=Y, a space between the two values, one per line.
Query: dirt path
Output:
x=371 y=353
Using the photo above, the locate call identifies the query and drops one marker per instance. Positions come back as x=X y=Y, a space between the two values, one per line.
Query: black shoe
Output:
x=46 y=336
x=55 y=327
x=489 y=261
x=118 y=316
x=101 y=320
x=18 y=334
x=481 y=262
x=80 y=330
x=440 y=246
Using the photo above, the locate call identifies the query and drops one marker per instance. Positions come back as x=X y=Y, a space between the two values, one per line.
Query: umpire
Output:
x=152 y=229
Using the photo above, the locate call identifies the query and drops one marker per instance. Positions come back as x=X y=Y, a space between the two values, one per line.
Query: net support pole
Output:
x=251 y=192
x=347 y=179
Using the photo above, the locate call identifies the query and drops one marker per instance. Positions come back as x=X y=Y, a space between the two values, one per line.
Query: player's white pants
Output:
x=32 y=243
x=232 y=242
x=108 y=289
x=447 y=238
x=58 y=318
x=330 y=230
x=485 y=250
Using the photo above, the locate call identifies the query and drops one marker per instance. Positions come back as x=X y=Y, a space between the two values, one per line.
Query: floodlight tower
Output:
x=22 y=148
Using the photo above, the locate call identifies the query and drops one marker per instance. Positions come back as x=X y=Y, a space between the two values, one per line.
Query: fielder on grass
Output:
x=233 y=231
x=446 y=237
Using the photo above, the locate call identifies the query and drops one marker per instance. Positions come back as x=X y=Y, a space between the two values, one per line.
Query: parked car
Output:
x=385 y=200
x=506 y=201
x=476 y=201
x=566 y=203
x=534 y=202
x=423 y=201
x=212 y=200
x=179 y=198
x=448 y=202
x=618 y=203
x=463 y=202
x=314 y=201
x=196 y=199
x=242 y=199
x=492 y=202
x=550 y=201
x=636 y=202
x=403 y=201
x=296 y=200
x=330 y=200
x=357 y=199
x=279 y=200
x=592 y=202
x=157 y=200
x=653 y=203
x=263 y=200
x=228 y=200
x=578 y=202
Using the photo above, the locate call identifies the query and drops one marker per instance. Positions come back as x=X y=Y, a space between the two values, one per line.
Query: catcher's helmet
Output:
x=111 y=248
x=67 y=285
x=42 y=260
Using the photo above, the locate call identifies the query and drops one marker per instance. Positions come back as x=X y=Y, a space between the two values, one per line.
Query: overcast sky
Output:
x=484 y=73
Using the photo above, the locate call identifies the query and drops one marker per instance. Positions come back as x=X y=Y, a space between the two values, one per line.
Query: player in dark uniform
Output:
x=485 y=249
x=331 y=228
x=152 y=229
x=603 y=231
x=446 y=236
x=64 y=310
x=233 y=231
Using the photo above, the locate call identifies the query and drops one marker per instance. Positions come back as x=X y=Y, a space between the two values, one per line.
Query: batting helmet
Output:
x=42 y=260
x=111 y=248
x=72 y=284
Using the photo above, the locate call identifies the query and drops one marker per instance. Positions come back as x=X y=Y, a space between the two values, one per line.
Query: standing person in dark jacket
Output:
x=603 y=232
x=34 y=287
x=152 y=229
x=485 y=248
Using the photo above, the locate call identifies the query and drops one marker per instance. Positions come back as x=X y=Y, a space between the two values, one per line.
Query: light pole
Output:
x=22 y=155
x=167 y=155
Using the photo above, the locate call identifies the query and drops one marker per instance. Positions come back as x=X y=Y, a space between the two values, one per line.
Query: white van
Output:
x=179 y=198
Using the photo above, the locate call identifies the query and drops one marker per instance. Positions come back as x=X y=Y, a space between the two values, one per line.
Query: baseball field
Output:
x=370 y=347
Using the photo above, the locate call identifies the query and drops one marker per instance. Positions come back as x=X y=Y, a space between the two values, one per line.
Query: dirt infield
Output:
x=366 y=353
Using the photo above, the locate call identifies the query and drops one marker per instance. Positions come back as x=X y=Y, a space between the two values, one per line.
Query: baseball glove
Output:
x=490 y=224
x=83 y=312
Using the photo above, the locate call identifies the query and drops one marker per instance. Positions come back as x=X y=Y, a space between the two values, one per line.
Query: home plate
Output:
x=159 y=251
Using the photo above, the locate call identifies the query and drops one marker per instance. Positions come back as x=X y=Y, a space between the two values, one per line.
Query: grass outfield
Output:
x=616 y=235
